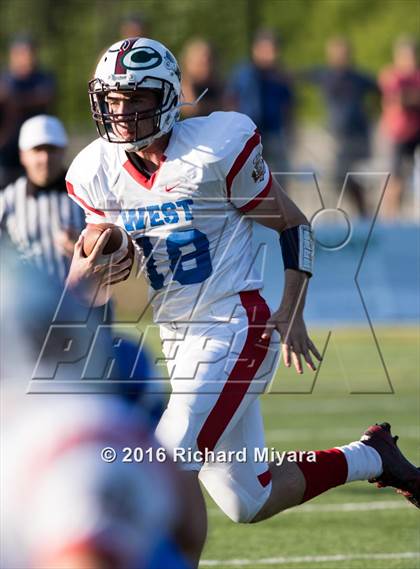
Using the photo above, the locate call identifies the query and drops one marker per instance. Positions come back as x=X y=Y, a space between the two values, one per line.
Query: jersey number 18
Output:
x=185 y=248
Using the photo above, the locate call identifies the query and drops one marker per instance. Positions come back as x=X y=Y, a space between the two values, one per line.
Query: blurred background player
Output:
x=262 y=90
x=345 y=89
x=65 y=508
x=25 y=90
x=199 y=73
x=62 y=506
x=400 y=86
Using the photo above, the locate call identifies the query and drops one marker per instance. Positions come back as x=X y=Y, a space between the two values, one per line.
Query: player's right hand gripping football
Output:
x=88 y=277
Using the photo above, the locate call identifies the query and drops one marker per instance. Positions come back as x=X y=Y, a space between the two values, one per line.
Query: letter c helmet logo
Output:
x=142 y=58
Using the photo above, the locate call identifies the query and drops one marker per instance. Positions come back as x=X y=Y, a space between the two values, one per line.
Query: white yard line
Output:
x=308 y=559
x=304 y=433
x=331 y=508
x=351 y=507
x=282 y=404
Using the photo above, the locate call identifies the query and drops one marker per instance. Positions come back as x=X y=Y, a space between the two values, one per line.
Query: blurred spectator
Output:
x=262 y=90
x=198 y=74
x=133 y=26
x=345 y=89
x=25 y=91
x=400 y=85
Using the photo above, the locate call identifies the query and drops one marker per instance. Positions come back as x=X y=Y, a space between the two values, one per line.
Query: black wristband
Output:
x=297 y=247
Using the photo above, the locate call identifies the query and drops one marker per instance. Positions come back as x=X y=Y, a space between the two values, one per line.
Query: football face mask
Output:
x=129 y=116
x=135 y=94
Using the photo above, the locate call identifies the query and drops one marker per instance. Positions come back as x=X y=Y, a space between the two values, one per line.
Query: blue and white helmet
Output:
x=129 y=65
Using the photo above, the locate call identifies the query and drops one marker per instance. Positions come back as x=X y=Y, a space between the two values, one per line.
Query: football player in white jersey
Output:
x=188 y=193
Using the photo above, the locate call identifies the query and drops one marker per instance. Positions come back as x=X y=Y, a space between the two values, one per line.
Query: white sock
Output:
x=363 y=461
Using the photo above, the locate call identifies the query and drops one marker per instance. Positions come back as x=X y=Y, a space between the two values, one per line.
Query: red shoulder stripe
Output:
x=71 y=192
x=241 y=159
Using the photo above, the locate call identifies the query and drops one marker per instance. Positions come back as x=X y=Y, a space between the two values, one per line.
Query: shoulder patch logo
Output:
x=259 y=168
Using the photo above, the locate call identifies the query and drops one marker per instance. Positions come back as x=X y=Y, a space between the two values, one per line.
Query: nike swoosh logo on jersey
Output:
x=172 y=187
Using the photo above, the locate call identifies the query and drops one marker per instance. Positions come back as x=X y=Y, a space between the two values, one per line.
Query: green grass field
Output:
x=354 y=520
x=355 y=526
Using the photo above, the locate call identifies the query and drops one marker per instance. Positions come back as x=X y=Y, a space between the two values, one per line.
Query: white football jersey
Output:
x=186 y=220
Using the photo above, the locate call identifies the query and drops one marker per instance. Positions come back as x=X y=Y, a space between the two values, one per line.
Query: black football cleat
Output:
x=398 y=472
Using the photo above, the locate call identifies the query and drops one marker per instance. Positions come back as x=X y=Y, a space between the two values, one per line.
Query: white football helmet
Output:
x=127 y=66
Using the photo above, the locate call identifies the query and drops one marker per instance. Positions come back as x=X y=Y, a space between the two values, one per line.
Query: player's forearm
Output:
x=294 y=293
x=103 y=295
x=290 y=215
x=280 y=213
x=88 y=293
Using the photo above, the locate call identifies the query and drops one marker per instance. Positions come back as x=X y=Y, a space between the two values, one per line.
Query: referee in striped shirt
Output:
x=43 y=223
x=35 y=210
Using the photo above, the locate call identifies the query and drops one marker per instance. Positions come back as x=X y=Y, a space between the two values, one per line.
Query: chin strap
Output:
x=194 y=103
x=135 y=147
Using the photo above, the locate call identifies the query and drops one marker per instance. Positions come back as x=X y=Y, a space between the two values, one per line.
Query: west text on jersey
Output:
x=157 y=214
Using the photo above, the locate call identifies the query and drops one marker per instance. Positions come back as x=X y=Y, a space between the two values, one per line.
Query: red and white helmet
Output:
x=129 y=65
